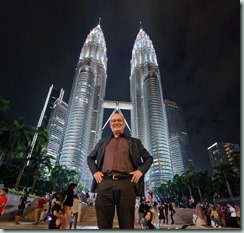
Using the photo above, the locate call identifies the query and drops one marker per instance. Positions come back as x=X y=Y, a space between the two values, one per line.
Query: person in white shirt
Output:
x=233 y=220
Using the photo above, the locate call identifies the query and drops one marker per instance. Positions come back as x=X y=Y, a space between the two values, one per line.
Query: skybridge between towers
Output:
x=117 y=106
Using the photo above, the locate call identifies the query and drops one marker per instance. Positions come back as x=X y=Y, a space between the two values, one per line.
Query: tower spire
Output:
x=140 y=26
x=99 y=22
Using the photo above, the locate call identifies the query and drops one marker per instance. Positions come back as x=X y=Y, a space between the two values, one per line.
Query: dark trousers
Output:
x=121 y=194
x=172 y=218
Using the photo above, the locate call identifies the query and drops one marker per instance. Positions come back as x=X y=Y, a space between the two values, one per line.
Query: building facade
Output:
x=85 y=112
x=86 y=102
x=55 y=129
x=148 y=115
x=220 y=152
x=53 y=94
x=178 y=137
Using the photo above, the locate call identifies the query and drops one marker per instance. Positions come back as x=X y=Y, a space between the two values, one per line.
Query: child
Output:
x=3 y=200
x=43 y=216
x=56 y=212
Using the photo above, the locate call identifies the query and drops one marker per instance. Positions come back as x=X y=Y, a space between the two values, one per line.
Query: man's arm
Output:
x=91 y=159
x=145 y=165
x=146 y=157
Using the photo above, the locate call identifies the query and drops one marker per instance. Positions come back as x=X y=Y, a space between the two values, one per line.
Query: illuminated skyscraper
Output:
x=220 y=153
x=148 y=116
x=55 y=129
x=85 y=112
x=53 y=94
x=178 y=138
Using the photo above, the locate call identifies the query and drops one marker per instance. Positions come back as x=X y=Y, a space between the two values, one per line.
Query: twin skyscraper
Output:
x=86 y=105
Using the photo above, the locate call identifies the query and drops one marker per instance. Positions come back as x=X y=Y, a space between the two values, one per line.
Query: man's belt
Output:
x=118 y=177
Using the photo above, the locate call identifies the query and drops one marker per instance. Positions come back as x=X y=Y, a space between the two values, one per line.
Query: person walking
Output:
x=21 y=207
x=74 y=211
x=40 y=202
x=3 y=200
x=68 y=203
x=118 y=164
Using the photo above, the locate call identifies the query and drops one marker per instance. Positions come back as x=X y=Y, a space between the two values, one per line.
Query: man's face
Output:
x=117 y=123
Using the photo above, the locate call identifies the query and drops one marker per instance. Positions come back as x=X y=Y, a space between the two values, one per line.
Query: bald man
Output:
x=118 y=164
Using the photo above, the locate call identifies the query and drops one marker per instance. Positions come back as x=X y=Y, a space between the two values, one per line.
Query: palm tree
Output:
x=73 y=176
x=41 y=162
x=42 y=139
x=235 y=157
x=14 y=138
x=197 y=181
x=178 y=182
x=57 y=172
x=224 y=172
x=4 y=108
x=188 y=176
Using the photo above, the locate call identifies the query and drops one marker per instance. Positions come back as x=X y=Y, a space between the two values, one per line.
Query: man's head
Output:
x=117 y=123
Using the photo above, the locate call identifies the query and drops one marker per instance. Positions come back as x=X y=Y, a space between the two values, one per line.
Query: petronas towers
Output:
x=85 y=110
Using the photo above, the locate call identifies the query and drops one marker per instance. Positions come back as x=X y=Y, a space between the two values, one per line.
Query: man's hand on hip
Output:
x=98 y=176
x=136 y=176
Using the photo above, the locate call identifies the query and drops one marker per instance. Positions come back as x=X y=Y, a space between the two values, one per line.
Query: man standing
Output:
x=118 y=164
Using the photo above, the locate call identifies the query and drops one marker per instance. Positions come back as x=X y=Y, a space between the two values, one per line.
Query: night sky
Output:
x=197 y=44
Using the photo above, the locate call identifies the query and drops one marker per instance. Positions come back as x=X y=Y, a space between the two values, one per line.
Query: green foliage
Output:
x=15 y=145
x=13 y=191
x=202 y=185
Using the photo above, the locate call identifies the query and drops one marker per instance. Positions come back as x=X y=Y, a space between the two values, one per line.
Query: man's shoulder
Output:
x=102 y=140
x=133 y=139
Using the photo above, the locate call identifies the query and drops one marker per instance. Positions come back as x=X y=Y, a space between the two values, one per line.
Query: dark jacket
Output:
x=140 y=158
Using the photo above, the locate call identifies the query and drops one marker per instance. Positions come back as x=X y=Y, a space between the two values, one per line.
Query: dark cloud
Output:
x=197 y=45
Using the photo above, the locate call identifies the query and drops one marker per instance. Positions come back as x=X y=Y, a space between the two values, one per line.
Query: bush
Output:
x=13 y=191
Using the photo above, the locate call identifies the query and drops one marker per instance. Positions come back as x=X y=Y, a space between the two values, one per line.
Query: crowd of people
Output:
x=154 y=214
x=217 y=215
x=160 y=212
x=61 y=210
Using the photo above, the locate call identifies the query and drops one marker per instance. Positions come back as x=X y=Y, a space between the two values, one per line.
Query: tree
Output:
x=235 y=157
x=57 y=172
x=4 y=108
x=42 y=139
x=41 y=162
x=224 y=172
x=179 y=184
x=188 y=176
x=14 y=138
